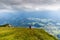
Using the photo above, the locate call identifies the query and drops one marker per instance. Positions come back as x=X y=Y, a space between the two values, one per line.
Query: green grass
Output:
x=7 y=33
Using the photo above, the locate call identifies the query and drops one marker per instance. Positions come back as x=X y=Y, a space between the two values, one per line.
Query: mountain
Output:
x=36 y=19
x=16 y=18
x=38 y=22
x=7 y=33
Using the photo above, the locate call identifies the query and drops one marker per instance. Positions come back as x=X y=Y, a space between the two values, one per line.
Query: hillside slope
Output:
x=24 y=34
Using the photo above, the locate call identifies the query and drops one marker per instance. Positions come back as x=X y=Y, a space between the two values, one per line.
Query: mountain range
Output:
x=48 y=20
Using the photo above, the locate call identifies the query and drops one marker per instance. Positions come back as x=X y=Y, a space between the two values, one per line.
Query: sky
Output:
x=35 y=8
x=28 y=5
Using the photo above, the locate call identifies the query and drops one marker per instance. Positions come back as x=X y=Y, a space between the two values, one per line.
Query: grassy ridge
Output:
x=24 y=34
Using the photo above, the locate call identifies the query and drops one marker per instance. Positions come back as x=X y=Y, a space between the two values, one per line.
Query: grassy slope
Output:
x=24 y=34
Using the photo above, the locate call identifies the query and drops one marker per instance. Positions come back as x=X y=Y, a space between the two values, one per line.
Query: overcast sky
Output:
x=9 y=5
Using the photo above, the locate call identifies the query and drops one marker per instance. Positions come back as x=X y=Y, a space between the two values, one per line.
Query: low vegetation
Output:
x=7 y=33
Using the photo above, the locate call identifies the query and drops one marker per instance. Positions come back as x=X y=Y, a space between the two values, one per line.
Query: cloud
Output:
x=30 y=4
x=7 y=11
x=57 y=23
